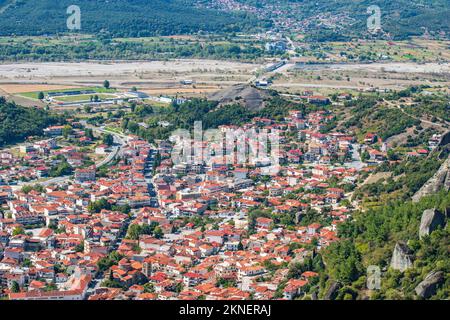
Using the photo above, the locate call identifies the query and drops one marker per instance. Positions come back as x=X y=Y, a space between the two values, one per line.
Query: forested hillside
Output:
x=400 y=18
x=325 y=20
x=369 y=240
x=321 y=20
x=17 y=123
x=122 y=18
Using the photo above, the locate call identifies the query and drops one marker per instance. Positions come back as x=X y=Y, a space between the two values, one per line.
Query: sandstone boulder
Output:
x=431 y=220
x=401 y=257
x=332 y=291
x=440 y=180
x=429 y=285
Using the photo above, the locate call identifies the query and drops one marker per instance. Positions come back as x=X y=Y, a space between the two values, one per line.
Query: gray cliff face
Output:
x=401 y=257
x=429 y=285
x=441 y=179
x=332 y=291
x=431 y=220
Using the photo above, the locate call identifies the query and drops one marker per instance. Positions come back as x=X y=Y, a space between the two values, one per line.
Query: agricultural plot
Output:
x=85 y=97
x=102 y=93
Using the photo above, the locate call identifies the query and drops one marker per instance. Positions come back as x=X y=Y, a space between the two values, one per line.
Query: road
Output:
x=357 y=161
x=268 y=74
x=293 y=47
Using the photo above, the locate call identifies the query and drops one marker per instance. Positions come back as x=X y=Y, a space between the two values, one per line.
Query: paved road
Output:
x=357 y=161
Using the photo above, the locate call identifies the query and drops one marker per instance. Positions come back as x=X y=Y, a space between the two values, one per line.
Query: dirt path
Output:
x=434 y=124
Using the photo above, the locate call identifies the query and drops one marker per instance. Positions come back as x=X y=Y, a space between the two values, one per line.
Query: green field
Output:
x=35 y=94
x=84 y=97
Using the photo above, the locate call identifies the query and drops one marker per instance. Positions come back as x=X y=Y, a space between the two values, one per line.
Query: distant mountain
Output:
x=341 y=19
x=122 y=18
x=320 y=20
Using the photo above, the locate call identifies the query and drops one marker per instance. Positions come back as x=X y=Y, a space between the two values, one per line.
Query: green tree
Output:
x=67 y=130
x=15 y=287
x=87 y=108
x=108 y=139
x=18 y=231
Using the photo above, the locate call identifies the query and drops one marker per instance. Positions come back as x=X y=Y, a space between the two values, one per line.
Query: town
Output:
x=90 y=213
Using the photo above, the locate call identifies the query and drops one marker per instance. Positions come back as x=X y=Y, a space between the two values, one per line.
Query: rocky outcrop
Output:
x=440 y=180
x=431 y=220
x=245 y=95
x=445 y=139
x=332 y=291
x=429 y=285
x=401 y=257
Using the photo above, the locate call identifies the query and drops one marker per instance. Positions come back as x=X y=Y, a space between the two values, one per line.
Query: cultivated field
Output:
x=20 y=88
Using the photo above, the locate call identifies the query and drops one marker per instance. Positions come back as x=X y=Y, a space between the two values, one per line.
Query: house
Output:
x=250 y=271
x=25 y=149
x=102 y=149
x=276 y=46
x=216 y=236
x=319 y=100
x=370 y=138
x=376 y=155
x=54 y=131
x=191 y=279
x=264 y=224
x=313 y=228
x=85 y=175
x=293 y=288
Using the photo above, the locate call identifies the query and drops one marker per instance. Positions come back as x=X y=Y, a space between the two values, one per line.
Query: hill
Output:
x=121 y=18
x=18 y=123
x=245 y=95
x=336 y=20
x=321 y=20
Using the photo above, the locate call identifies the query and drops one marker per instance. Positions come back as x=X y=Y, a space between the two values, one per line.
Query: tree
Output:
x=108 y=139
x=27 y=189
x=106 y=262
x=136 y=230
x=18 y=230
x=106 y=84
x=41 y=96
x=79 y=247
x=67 y=130
x=99 y=205
x=158 y=233
x=89 y=133
x=15 y=287
x=149 y=288
x=88 y=109
x=62 y=169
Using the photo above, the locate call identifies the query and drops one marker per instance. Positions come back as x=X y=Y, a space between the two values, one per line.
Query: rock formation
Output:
x=401 y=257
x=441 y=179
x=431 y=220
x=428 y=286
x=332 y=291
